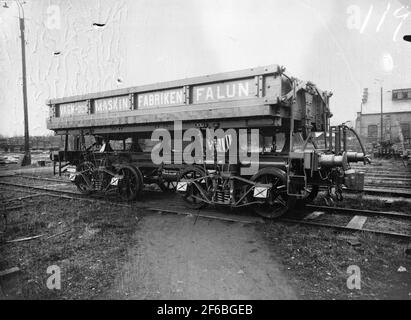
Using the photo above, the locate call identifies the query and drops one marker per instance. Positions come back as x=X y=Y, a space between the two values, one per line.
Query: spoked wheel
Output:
x=86 y=168
x=192 y=196
x=277 y=202
x=167 y=186
x=312 y=193
x=131 y=184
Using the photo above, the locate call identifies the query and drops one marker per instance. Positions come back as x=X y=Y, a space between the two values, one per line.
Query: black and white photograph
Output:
x=205 y=156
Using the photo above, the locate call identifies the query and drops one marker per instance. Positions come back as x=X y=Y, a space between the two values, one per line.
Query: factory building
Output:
x=395 y=118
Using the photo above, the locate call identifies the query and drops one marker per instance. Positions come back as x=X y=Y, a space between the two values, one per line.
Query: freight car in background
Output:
x=297 y=149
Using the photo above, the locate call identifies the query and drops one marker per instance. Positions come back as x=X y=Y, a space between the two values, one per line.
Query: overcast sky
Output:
x=340 y=45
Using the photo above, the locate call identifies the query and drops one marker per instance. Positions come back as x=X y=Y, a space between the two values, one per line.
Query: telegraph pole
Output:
x=382 y=115
x=27 y=156
x=381 y=81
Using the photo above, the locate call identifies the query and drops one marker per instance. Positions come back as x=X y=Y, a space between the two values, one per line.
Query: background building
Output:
x=396 y=118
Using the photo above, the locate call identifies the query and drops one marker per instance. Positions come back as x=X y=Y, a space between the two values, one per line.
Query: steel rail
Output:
x=40 y=178
x=402 y=192
x=77 y=196
x=399 y=193
x=345 y=228
x=370 y=213
x=40 y=188
x=69 y=195
x=21 y=198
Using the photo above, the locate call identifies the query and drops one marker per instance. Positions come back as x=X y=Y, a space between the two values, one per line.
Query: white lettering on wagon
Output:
x=230 y=90
x=224 y=91
x=73 y=108
x=160 y=98
x=113 y=104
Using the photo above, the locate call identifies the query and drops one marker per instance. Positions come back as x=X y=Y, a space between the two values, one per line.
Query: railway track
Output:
x=386 y=178
x=370 y=189
x=356 y=219
x=356 y=224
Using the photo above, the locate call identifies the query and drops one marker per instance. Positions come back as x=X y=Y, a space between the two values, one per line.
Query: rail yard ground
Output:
x=106 y=250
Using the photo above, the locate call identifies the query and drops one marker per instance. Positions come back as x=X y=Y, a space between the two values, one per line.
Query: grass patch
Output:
x=317 y=261
x=89 y=244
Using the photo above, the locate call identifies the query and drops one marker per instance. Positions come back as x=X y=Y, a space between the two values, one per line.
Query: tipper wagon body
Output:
x=264 y=140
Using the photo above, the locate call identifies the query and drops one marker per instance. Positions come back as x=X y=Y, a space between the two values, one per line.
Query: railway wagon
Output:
x=254 y=138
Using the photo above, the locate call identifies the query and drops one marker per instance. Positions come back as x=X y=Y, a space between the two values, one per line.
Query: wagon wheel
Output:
x=192 y=194
x=167 y=186
x=277 y=202
x=131 y=184
x=80 y=183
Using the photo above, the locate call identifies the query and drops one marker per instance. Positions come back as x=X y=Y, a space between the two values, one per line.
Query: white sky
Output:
x=147 y=41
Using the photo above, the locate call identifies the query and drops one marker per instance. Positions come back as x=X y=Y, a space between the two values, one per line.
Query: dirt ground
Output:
x=187 y=258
